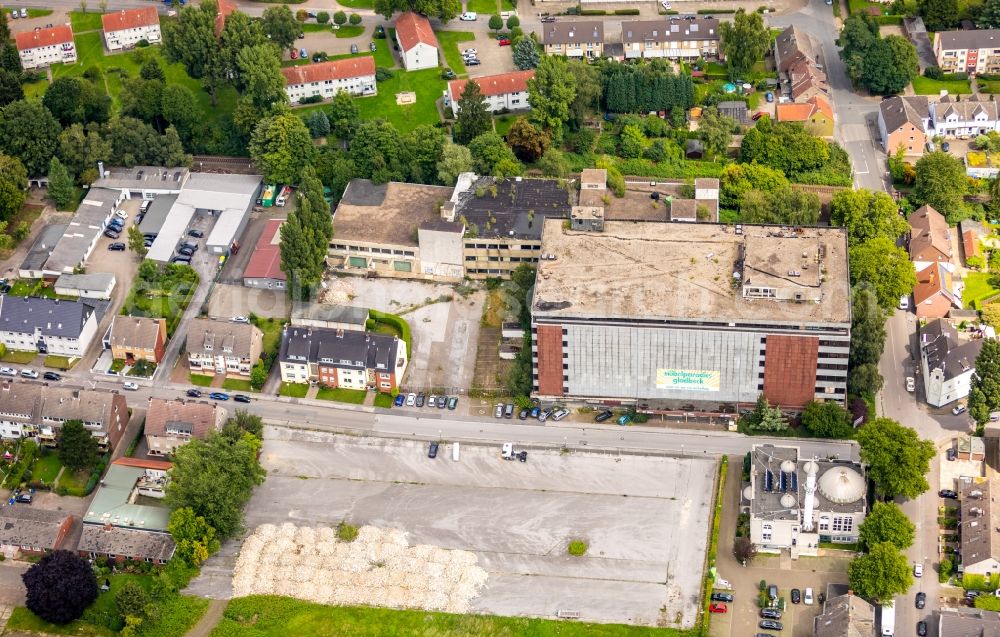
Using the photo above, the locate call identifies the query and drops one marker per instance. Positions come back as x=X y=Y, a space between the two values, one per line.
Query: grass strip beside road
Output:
x=713 y=544
x=272 y=616
x=294 y=390
x=926 y=86
x=340 y=395
x=83 y=22
x=200 y=380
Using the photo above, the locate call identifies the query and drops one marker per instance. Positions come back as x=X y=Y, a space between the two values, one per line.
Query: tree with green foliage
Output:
x=744 y=41
x=738 y=179
x=942 y=183
x=526 y=55
x=785 y=206
x=473 y=118
x=764 y=417
x=632 y=142
x=280 y=26
x=378 y=152
x=784 y=146
x=938 y=15
x=343 y=115
x=29 y=132
x=886 y=522
x=243 y=422
x=886 y=267
x=588 y=91
x=281 y=147
x=827 y=420
x=889 y=65
x=496 y=22
x=340 y=18
x=136 y=241
x=354 y=19
x=716 y=130
x=490 y=153
x=867 y=215
x=897 y=459
x=989 y=15
x=444 y=10
x=80 y=150
x=201 y=466
x=10 y=87
x=554 y=163
x=131 y=600
x=425 y=143
x=550 y=93
x=305 y=238
x=60 y=190
x=179 y=108
x=864 y=380
x=527 y=142
x=984 y=393
x=190 y=39
x=143 y=99
x=455 y=160
x=880 y=575
x=318 y=124
x=867 y=341
x=193 y=536
x=13 y=186
x=77 y=446
x=239 y=32
x=260 y=70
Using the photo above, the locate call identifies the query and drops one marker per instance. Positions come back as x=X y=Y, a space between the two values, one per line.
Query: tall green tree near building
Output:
x=941 y=182
x=886 y=522
x=473 y=119
x=938 y=15
x=13 y=186
x=281 y=147
x=455 y=160
x=881 y=574
x=29 y=132
x=136 y=241
x=886 y=267
x=526 y=55
x=77 y=446
x=744 y=41
x=898 y=460
x=343 y=115
x=867 y=215
x=716 y=130
x=550 y=92
x=280 y=26
x=190 y=39
x=984 y=394
x=60 y=190
x=305 y=237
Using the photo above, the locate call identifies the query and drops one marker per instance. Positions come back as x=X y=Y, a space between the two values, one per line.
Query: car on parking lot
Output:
x=508 y=410
x=411 y=400
x=442 y=400
x=121 y=214
x=549 y=18
x=769 y=96
x=945 y=147
x=604 y=415
x=952 y=454
x=535 y=412
x=948 y=493
x=24 y=12
x=911 y=384
x=624 y=420
x=544 y=415
x=770 y=624
x=523 y=414
x=921 y=599
x=241 y=398
x=111 y=234
x=218 y=395
x=498 y=410
x=188 y=252
x=194 y=393
x=420 y=399
x=197 y=234
x=51 y=376
x=400 y=399
x=240 y=319
x=303 y=53
x=503 y=41
x=131 y=386
x=190 y=246
x=472 y=62
x=453 y=402
x=432 y=450
x=807 y=597
x=23 y=498
x=559 y=415
x=29 y=373
x=770 y=613
x=918 y=569
x=354 y=48
x=118 y=246
x=722 y=597
x=471 y=52
x=432 y=400
x=181 y=259
x=796 y=596
x=8 y=371
x=718 y=608
x=959 y=409
x=147 y=243
x=922 y=628
x=468 y=16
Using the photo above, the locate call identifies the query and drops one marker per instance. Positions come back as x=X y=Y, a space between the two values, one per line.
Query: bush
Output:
x=312 y=99
x=354 y=19
x=398 y=323
x=347 y=532
x=323 y=17
x=592 y=12
x=301 y=15
x=339 y=18
x=933 y=72
x=576 y=548
x=626 y=12
x=383 y=74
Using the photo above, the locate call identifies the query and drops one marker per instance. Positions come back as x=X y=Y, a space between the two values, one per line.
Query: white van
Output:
x=904 y=302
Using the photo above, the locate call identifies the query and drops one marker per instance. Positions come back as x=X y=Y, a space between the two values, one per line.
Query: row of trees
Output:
x=883 y=66
x=649 y=87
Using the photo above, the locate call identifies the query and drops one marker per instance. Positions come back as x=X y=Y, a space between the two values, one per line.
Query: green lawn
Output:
x=35 y=90
x=272 y=333
x=31 y=287
x=350 y=31
x=985 y=86
x=46 y=467
x=164 y=297
x=75 y=482
x=90 y=53
x=294 y=390
x=82 y=22
x=353 y=396
x=267 y=616
x=926 y=86
x=383 y=400
x=451 y=45
x=357 y=4
x=315 y=27
x=200 y=380
x=502 y=123
x=39 y=13
x=60 y=362
x=979 y=286
x=236 y=384
x=21 y=358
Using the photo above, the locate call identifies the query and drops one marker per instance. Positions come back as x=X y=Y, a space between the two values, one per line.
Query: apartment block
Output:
x=325 y=79
x=126 y=28
x=350 y=359
x=38 y=411
x=583 y=39
x=49 y=326
x=505 y=91
x=44 y=47
x=223 y=347
x=685 y=38
x=968 y=51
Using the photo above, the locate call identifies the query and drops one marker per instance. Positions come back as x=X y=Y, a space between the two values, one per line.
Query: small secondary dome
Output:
x=748 y=493
x=842 y=485
x=787 y=466
x=811 y=468
x=788 y=500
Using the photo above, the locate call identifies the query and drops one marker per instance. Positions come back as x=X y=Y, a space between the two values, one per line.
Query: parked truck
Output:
x=888 y=622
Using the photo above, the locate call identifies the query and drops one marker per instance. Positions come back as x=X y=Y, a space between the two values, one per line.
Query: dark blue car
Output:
x=535 y=411
x=400 y=399
x=218 y=395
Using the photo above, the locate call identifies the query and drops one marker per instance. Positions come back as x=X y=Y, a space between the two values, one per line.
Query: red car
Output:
x=717 y=608
x=503 y=41
x=295 y=54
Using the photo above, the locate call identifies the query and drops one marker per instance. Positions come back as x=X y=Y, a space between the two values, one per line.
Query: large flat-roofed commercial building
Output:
x=692 y=316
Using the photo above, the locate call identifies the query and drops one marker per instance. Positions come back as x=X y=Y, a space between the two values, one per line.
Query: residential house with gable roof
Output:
x=935 y=293
x=583 y=39
x=26 y=530
x=968 y=51
x=504 y=91
x=815 y=114
x=126 y=28
x=137 y=338
x=174 y=423
x=350 y=359
x=950 y=117
x=930 y=238
x=223 y=347
x=674 y=38
x=798 y=57
x=418 y=45
x=902 y=123
x=37 y=410
x=44 y=47
x=979 y=528
x=947 y=362
x=49 y=326
x=326 y=79
x=845 y=616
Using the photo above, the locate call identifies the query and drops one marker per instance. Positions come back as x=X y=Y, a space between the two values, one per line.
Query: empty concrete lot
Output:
x=645 y=518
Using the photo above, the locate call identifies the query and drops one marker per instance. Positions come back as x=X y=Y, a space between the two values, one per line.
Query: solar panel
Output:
x=768 y=480
x=795 y=482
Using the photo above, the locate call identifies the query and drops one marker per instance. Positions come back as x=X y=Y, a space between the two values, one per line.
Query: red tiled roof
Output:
x=516 y=82
x=225 y=8
x=60 y=34
x=412 y=29
x=333 y=70
x=970 y=243
x=793 y=112
x=822 y=105
x=266 y=260
x=130 y=19
x=143 y=463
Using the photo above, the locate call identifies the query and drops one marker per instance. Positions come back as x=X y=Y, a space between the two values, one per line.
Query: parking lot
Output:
x=645 y=519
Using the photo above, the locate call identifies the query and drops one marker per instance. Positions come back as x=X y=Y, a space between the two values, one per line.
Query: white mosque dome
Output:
x=788 y=500
x=842 y=485
x=787 y=466
x=748 y=493
x=811 y=468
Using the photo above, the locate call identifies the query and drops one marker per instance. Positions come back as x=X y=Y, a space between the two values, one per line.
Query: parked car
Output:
x=8 y=371
x=241 y=398
x=194 y=393
x=121 y=214
x=354 y=48
x=548 y=18
x=51 y=376
x=508 y=410
x=411 y=400
x=303 y=53
x=918 y=569
x=921 y=599
x=29 y=373
x=535 y=412
x=911 y=384
x=718 y=608
x=400 y=399
x=130 y=386
x=948 y=493
x=472 y=62
x=523 y=414
x=807 y=597
x=498 y=410
x=945 y=147
x=559 y=415
x=441 y=401
x=111 y=234
x=23 y=498
x=770 y=613
x=420 y=399
x=959 y=409
x=218 y=395
x=796 y=596
x=432 y=450
x=117 y=246
x=604 y=415
x=722 y=597
x=188 y=252
x=452 y=402
x=757 y=115
x=181 y=259
x=197 y=234
x=190 y=246
x=770 y=624
x=503 y=41
x=24 y=12
x=542 y=417
x=432 y=400
x=468 y=16
x=952 y=454
x=769 y=96
x=240 y=319
x=624 y=420
x=922 y=628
